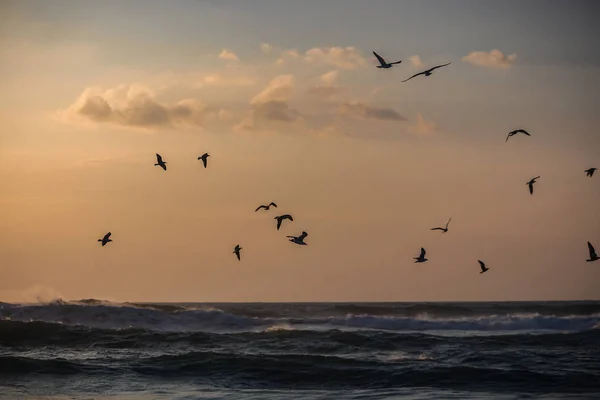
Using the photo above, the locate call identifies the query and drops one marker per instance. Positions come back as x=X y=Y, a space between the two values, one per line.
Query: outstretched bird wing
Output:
x=279 y=222
x=420 y=73
x=448 y=223
x=107 y=236
x=523 y=131
x=158 y=158
x=380 y=59
x=273 y=204
x=481 y=264
x=437 y=229
x=287 y=216
x=259 y=207
x=439 y=66
x=530 y=187
x=301 y=237
x=592 y=251
x=422 y=253
x=507 y=137
x=204 y=159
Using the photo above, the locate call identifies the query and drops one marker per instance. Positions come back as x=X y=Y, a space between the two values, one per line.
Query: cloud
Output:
x=279 y=88
x=365 y=111
x=423 y=127
x=416 y=61
x=219 y=79
x=339 y=57
x=287 y=55
x=266 y=48
x=327 y=89
x=135 y=106
x=228 y=55
x=493 y=59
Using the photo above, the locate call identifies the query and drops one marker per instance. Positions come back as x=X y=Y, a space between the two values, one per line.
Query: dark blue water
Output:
x=95 y=350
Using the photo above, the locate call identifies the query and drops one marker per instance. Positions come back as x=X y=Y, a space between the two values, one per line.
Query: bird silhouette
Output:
x=383 y=63
x=444 y=230
x=590 y=171
x=236 y=251
x=513 y=133
x=281 y=218
x=593 y=255
x=159 y=161
x=483 y=267
x=426 y=73
x=421 y=257
x=266 y=207
x=105 y=239
x=204 y=158
x=299 y=239
x=530 y=184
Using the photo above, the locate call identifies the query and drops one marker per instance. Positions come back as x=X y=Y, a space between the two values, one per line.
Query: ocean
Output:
x=93 y=349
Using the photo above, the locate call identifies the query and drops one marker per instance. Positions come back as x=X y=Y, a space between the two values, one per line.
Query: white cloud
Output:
x=493 y=59
x=228 y=55
x=279 y=88
x=339 y=57
x=219 y=79
x=327 y=89
x=423 y=127
x=416 y=60
x=287 y=55
x=266 y=48
x=362 y=110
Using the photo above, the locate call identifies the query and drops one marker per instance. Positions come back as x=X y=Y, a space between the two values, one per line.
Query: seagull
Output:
x=513 y=133
x=483 y=267
x=444 y=230
x=426 y=73
x=421 y=257
x=530 y=184
x=266 y=207
x=105 y=239
x=299 y=239
x=236 y=250
x=159 y=161
x=593 y=255
x=590 y=172
x=281 y=218
x=383 y=63
x=204 y=158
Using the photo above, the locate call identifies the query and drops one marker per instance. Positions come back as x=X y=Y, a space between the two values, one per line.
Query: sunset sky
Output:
x=285 y=97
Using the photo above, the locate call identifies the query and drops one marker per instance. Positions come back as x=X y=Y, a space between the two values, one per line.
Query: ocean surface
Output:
x=93 y=349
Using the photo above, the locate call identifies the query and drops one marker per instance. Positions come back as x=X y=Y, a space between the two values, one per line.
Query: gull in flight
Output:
x=266 y=207
x=483 y=267
x=105 y=239
x=421 y=257
x=383 y=63
x=204 y=158
x=236 y=250
x=426 y=73
x=281 y=218
x=159 y=161
x=593 y=255
x=590 y=171
x=530 y=184
x=513 y=133
x=299 y=239
x=444 y=230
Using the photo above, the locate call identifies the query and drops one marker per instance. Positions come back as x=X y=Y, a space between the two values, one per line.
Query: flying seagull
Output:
x=483 y=267
x=204 y=158
x=266 y=207
x=513 y=133
x=159 y=161
x=299 y=239
x=590 y=172
x=426 y=73
x=444 y=230
x=593 y=255
x=281 y=218
x=421 y=257
x=105 y=239
x=383 y=63
x=530 y=184
x=236 y=250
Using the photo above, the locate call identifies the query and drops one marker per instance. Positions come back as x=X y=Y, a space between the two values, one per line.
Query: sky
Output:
x=285 y=97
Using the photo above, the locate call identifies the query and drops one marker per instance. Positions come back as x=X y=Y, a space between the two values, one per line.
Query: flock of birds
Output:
x=299 y=240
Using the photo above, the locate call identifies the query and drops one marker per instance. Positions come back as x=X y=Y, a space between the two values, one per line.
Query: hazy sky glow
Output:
x=285 y=97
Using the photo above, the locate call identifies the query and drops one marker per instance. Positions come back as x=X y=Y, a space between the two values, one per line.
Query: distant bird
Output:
x=483 y=267
x=426 y=73
x=266 y=207
x=530 y=184
x=383 y=63
x=593 y=255
x=444 y=230
x=590 y=172
x=421 y=257
x=513 y=133
x=281 y=218
x=159 y=161
x=204 y=158
x=105 y=239
x=236 y=251
x=299 y=239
